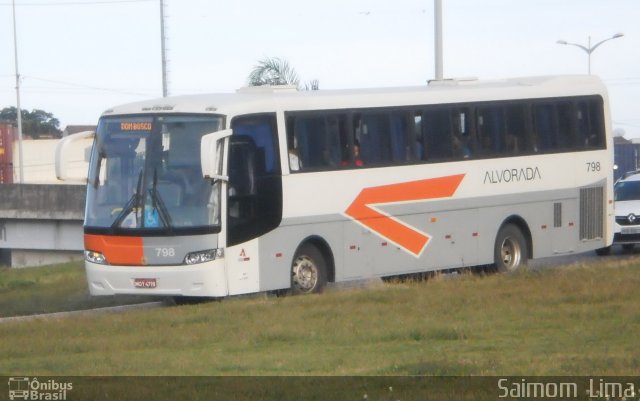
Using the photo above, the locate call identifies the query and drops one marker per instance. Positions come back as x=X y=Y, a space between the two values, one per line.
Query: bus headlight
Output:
x=95 y=257
x=203 y=256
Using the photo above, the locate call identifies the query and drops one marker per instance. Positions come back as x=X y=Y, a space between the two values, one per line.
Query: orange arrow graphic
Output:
x=363 y=210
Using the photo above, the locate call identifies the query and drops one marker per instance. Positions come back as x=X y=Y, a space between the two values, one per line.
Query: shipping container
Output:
x=6 y=152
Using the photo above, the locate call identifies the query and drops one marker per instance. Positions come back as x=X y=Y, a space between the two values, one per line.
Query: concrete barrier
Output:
x=40 y=224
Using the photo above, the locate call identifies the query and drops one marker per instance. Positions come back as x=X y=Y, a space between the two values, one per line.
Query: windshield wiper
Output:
x=132 y=203
x=158 y=204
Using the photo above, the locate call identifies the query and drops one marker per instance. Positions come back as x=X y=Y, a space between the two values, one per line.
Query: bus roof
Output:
x=269 y=99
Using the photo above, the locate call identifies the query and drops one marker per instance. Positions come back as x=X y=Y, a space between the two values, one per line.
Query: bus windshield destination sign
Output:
x=138 y=126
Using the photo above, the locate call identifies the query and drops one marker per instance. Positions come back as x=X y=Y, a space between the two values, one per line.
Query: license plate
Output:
x=630 y=230
x=144 y=282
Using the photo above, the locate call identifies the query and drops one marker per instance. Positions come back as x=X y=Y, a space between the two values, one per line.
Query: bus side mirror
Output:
x=212 y=154
x=64 y=152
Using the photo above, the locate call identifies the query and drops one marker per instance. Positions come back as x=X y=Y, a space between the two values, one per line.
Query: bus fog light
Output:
x=203 y=256
x=95 y=257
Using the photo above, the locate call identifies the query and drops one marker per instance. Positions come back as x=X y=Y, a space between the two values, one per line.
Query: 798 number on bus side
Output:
x=165 y=252
x=593 y=167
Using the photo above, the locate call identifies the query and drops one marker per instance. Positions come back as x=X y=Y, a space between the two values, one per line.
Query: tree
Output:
x=35 y=123
x=276 y=71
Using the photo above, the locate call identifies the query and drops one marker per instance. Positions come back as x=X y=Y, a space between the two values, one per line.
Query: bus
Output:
x=271 y=189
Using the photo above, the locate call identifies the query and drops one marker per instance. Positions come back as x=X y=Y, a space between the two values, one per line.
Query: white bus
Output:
x=273 y=189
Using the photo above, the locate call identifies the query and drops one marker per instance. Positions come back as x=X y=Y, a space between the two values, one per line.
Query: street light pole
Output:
x=163 y=51
x=590 y=49
x=18 y=109
x=438 y=39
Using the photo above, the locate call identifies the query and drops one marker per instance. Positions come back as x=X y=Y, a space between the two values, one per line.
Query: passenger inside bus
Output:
x=357 y=161
x=461 y=146
x=294 y=160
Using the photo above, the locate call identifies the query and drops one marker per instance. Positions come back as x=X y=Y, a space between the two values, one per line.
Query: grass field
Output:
x=575 y=320
x=50 y=289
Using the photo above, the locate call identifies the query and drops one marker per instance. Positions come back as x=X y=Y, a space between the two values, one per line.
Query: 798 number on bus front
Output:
x=592 y=167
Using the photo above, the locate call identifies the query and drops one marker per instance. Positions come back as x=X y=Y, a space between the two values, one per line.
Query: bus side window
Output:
x=463 y=135
x=545 y=126
x=518 y=136
x=436 y=130
x=337 y=136
x=295 y=164
x=589 y=125
x=491 y=133
x=402 y=136
x=309 y=135
x=418 y=148
x=567 y=126
x=596 y=124
x=316 y=141
x=374 y=139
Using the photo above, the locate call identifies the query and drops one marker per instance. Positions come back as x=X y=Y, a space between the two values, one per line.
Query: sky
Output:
x=77 y=58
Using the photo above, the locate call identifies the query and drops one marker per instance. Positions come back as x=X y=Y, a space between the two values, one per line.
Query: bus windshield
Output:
x=145 y=174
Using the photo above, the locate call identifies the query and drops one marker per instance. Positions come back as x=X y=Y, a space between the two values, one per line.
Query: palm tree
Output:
x=312 y=85
x=276 y=71
x=273 y=71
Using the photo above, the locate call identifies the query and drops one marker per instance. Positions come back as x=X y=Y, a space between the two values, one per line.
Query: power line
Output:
x=82 y=86
x=77 y=3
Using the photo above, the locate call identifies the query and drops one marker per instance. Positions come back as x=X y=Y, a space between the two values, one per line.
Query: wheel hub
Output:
x=510 y=252
x=305 y=274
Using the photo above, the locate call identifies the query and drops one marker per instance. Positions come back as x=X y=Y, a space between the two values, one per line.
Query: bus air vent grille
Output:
x=591 y=213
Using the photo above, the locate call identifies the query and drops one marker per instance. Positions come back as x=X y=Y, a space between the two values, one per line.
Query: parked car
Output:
x=627 y=210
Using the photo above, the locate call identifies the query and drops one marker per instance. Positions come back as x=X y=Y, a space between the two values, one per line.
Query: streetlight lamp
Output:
x=590 y=49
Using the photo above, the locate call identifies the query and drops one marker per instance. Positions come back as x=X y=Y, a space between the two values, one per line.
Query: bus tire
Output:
x=308 y=270
x=510 y=251
x=603 y=251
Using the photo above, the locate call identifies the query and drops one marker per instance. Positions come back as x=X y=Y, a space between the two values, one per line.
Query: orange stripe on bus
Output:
x=117 y=249
x=395 y=231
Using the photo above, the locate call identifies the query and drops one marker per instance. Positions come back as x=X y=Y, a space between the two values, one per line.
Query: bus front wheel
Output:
x=308 y=271
x=510 y=252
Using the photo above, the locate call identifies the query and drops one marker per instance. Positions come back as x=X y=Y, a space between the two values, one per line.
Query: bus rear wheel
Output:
x=308 y=271
x=510 y=251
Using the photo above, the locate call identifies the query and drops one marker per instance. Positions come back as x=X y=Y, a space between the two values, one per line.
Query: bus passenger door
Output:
x=242 y=265
x=254 y=197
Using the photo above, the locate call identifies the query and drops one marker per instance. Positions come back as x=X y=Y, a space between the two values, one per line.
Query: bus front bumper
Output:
x=200 y=280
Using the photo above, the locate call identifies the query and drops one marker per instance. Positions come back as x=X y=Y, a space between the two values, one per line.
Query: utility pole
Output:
x=18 y=109
x=438 y=39
x=163 y=50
